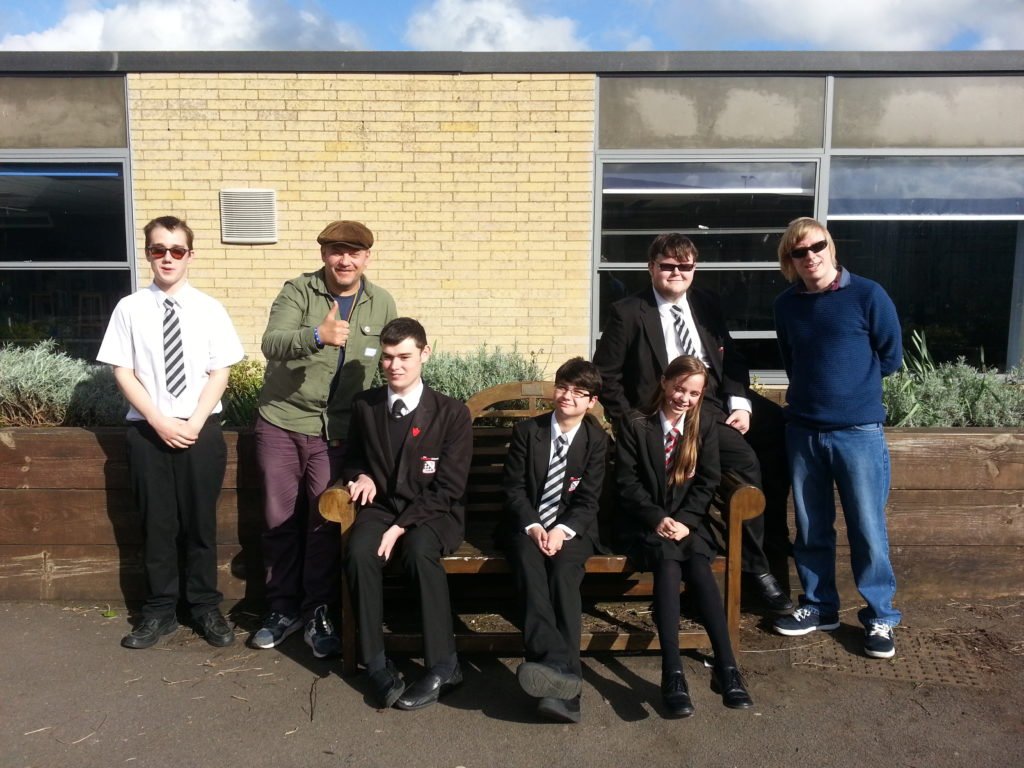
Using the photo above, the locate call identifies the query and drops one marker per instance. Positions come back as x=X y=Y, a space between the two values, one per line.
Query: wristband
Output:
x=316 y=338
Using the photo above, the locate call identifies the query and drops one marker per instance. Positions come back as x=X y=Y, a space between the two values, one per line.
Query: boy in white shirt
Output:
x=171 y=347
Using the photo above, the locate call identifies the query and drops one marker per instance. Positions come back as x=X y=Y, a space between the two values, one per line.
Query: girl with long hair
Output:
x=667 y=470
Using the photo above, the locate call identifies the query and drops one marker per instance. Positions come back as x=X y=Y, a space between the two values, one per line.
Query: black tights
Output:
x=700 y=582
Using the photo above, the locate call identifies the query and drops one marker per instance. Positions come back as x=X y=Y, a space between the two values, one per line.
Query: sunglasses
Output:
x=799 y=253
x=670 y=268
x=177 y=251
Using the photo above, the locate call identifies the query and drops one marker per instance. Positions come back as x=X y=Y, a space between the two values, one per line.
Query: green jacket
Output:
x=300 y=376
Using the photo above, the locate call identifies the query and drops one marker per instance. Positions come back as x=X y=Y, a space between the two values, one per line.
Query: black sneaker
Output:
x=276 y=627
x=878 y=640
x=215 y=628
x=148 y=631
x=806 y=620
x=320 y=634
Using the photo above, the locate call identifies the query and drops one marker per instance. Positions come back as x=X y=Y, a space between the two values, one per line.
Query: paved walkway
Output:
x=954 y=696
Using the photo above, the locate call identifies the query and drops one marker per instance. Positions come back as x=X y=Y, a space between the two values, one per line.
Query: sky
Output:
x=511 y=25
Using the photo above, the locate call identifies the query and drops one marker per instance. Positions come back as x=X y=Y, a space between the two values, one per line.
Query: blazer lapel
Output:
x=707 y=340
x=421 y=420
x=380 y=417
x=541 y=457
x=652 y=329
x=656 y=451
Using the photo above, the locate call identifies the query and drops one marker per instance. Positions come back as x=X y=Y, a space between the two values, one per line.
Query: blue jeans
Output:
x=856 y=459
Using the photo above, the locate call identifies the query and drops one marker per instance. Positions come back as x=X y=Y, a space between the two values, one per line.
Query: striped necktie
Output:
x=174 y=356
x=671 y=438
x=682 y=331
x=551 y=496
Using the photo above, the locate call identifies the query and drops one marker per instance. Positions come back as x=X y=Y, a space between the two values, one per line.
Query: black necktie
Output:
x=397 y=409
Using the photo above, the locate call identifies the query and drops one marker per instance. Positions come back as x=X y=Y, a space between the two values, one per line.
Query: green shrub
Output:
x=928 y=394
x=462 y=374
x=42 y=386
x=241 y=398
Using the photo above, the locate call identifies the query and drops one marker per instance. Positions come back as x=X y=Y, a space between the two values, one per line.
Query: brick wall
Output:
x=478 y=189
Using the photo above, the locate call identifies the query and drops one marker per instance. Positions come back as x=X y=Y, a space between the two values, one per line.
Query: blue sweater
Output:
x=836 y=347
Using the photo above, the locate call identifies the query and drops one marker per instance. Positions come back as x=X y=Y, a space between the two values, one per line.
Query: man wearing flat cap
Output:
x=322 y=346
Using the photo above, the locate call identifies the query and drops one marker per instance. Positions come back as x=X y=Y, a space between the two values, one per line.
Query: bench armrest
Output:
x=336 y=506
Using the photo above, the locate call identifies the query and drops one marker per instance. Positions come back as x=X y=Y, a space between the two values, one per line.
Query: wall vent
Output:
x=248 y=216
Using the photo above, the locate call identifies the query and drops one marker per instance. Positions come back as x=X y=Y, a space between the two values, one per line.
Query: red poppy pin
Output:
x=415 y=431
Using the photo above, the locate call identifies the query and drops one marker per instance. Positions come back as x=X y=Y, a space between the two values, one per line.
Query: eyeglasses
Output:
x=177 y=251
x=575 y=394
x=670 y=268
x=799 y=253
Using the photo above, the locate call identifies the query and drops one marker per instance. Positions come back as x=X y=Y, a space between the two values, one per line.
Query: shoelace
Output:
x=322 y=623
x=880 y=630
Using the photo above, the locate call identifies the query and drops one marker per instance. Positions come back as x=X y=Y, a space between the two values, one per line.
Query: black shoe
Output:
x=215 y=628
x=730 y=684
x=675 y=694
x=545 y=682
x=560 y=710
x=428 y=689
x=148 y=631
x=387 y=685
x=771 y=594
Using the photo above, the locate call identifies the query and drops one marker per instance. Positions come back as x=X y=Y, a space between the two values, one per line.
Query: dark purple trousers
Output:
x=301 y=550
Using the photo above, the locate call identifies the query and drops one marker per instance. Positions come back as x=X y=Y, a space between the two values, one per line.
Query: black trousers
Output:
x=175 y=493
x=549 y=594
x=419 y=552
x=760 y=459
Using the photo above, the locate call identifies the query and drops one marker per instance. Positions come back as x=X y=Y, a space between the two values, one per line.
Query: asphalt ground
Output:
x=71 y=696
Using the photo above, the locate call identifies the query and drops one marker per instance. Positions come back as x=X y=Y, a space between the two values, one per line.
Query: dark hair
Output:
x=581 y=374
x=686 y=452
x=170 y=223
x=674 y=246
x=402 y=328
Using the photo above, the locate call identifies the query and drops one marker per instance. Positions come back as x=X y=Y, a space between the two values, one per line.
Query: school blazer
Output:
x=643 y=493
x=631 y=352
x=526 y=468
x=428 y=485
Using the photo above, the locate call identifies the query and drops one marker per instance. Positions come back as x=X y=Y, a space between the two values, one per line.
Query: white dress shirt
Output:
x=674 y=345
x=135 y=340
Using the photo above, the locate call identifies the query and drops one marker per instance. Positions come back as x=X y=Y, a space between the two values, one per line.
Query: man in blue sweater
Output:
x=839 y=335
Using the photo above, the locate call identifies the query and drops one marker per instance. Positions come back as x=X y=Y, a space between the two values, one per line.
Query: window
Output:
x=63 y=251
x=944 y=236
x=733 y=211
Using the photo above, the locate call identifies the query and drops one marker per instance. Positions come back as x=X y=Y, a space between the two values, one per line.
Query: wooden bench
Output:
x=494 y=411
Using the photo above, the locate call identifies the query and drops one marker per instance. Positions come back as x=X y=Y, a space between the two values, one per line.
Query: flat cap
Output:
x=352 y=233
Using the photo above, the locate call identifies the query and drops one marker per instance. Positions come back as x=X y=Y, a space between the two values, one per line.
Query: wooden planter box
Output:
x=67 y=529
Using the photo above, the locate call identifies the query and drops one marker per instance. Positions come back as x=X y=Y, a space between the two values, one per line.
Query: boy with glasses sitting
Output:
x=554 y=474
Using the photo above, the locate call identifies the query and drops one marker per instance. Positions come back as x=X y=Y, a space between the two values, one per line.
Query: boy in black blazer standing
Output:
x=407 y=467
x=554 y=474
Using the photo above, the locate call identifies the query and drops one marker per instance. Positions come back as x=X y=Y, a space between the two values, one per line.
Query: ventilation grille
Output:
x=248 y=216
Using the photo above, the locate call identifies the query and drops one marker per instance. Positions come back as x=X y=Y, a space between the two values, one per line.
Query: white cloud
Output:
x=855 y=25
x=489 y=25
x=191 y=25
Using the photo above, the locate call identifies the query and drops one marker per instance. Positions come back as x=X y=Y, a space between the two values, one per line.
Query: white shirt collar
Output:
x=664 y=305
x=667 y=426
x=411 y=399
x=180 y=298
x=556 y=430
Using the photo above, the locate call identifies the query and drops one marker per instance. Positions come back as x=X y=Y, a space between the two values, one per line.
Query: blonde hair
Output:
x=685 y=464
x=797 y=231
